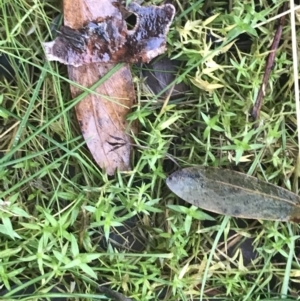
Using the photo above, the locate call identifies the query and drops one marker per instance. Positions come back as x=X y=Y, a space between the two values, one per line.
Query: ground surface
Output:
x=66 y=227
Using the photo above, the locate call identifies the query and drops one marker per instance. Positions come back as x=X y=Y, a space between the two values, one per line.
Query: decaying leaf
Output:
x=99 y=118
x=235 y=194
x=94 y=37
x=107 y=39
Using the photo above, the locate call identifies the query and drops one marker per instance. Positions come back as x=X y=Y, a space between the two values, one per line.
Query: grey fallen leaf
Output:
x=161 y=72
x=234 y=194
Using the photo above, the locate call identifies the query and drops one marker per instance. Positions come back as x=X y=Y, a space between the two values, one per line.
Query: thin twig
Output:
x=270 y=62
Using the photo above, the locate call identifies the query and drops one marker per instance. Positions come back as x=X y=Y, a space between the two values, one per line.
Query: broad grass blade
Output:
x=235 y=194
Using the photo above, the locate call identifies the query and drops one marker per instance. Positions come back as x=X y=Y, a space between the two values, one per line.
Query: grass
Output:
x=67 y=227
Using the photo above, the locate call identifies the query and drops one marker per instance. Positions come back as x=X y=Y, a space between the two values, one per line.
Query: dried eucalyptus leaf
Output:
x=235 y=194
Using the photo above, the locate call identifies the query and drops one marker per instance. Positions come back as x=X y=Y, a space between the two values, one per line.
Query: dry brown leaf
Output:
x=103 y=122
